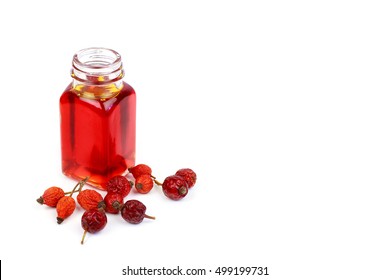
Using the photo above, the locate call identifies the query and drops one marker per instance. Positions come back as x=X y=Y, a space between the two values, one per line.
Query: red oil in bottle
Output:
x=97 y=118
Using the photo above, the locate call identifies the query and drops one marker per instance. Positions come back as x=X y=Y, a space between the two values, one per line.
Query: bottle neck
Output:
x=97 y=73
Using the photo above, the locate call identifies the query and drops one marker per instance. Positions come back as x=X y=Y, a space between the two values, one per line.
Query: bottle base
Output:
x=95 y=180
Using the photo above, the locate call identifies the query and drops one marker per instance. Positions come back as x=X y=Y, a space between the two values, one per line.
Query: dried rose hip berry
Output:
x=144 y=183
x=188 y=175
x=65 y=208
x=175 y=187
x=140 y=169
x=66 y=205
x=51 y=196
x=90 y=200
x=113 y=202
x=118 y=184
x=133 y=211
x=93 y=221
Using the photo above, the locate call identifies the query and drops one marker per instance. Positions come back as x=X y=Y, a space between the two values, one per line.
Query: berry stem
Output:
x=80 y=185
x=84 y=234
x=156 y=182
x=71 y=192
x=150 y=217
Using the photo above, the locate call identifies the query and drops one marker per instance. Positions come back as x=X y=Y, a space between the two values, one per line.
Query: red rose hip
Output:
x=143 y=184
x=140 y=169
x=90 y=199
x=188 y=175
x=65 y=207
x=133 y=212
x=51 y=196
x=93 y=221
x=118 y=184
x=175 y=187
x=113 y=202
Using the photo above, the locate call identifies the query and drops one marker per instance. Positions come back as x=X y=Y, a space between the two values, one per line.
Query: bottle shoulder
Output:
x=126 y=88
x=72 y=96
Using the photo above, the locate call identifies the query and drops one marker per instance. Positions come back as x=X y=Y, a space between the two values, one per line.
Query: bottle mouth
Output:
x=97 y=65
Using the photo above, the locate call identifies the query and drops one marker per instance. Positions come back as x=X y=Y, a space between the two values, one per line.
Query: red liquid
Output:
x=97 y=135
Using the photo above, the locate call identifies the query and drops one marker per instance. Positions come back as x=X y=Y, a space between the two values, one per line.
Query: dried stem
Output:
x=150 y=217
x=79 y=185
x=84 y=234
x=157 y=182
x=71 y=192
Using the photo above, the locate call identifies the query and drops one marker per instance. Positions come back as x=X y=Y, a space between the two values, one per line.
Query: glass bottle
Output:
x=97 y=118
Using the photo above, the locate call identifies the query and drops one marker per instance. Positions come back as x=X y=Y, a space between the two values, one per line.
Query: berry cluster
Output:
x=132 y=211
x=62 y=201
x=94 y=219
x=174 y=187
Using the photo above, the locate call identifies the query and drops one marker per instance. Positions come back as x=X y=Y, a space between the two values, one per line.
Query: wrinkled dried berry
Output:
x=140 y=169
x=90 y=200
x=65 y=208
x=133 y=211
x=66 y=205
x=188 y=175
x=93 y=221
x=144 y=183
x=113 y=202
x=118 y=184
x=175 y=187
x=51 y=196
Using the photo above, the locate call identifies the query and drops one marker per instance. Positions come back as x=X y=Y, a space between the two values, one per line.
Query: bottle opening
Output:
x=97 y=65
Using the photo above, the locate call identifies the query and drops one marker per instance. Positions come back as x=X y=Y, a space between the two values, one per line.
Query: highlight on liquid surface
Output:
x=97 y=134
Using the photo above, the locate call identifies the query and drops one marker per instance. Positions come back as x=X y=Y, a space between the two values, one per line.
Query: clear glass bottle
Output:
x=97 y=118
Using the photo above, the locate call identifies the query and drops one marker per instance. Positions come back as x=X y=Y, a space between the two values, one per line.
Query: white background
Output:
x=281 y=107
